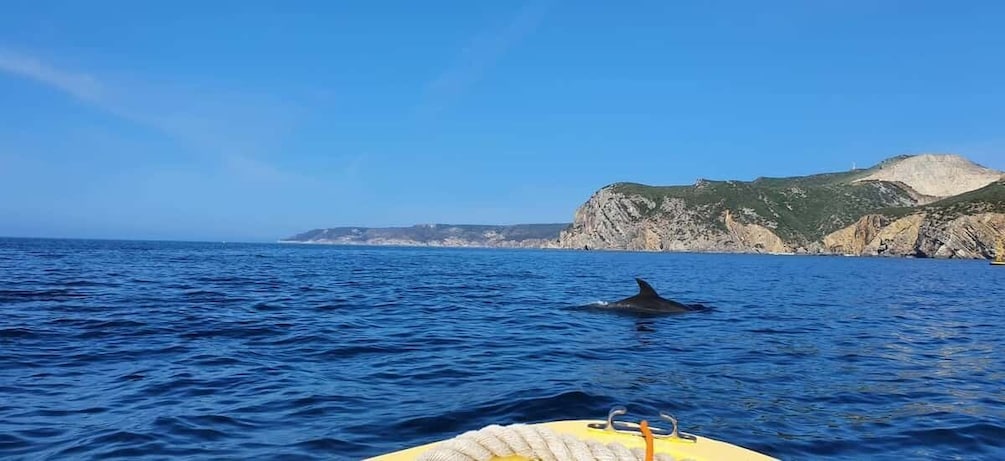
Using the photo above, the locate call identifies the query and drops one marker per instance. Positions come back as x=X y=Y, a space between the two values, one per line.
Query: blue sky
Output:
x=244 y=120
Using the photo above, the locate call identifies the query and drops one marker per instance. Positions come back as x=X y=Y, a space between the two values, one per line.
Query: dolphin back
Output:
x=648 y=301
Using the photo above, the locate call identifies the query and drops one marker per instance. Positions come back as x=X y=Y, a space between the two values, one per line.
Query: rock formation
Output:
x=926 y=206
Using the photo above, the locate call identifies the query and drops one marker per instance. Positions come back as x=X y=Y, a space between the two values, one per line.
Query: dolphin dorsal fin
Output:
x=645 y=289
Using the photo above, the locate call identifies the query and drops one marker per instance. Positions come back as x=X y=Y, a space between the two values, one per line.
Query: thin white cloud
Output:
x=81 y=86
x=479 y=56
x=238 y=130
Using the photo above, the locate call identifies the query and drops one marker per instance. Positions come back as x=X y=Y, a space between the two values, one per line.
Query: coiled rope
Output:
x=532 y=442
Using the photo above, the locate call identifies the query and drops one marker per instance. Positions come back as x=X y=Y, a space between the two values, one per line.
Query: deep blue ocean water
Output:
x=267 y=351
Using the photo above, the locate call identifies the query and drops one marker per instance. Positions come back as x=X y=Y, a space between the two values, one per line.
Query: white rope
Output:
x=531 y=442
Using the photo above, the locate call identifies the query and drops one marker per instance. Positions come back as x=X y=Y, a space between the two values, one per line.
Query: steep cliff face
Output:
x=615 y=220
x=899 y=238
x=970 y=236
x=964 y=237
x=894 y=208
x=961 y=226
x=854 y=238
x=754 y=236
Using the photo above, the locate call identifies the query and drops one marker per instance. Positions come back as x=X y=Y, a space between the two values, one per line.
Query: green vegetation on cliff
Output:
x=798 y=209
x=988 y=199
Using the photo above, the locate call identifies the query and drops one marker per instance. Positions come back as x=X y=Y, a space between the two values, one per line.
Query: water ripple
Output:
x=203 y=351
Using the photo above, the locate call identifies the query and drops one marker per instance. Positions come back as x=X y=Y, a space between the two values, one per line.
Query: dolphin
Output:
x=650 y=302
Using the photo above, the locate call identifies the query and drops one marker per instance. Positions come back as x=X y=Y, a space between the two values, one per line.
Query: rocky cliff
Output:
x=441 y=235
x=963 y=226
x=928 y=206
x=615 y=219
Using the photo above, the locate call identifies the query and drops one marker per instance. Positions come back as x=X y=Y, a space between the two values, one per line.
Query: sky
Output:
x=252 y=120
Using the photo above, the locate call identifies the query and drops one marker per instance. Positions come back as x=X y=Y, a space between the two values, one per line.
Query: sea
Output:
x=176 y=350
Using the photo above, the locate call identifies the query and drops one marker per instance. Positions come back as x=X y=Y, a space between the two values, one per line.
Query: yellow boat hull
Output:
x=702 y=449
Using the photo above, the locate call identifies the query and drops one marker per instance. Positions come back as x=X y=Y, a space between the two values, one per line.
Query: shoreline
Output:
x=616 y=250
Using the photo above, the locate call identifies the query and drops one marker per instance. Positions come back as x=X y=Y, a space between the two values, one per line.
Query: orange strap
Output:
x=644 y=427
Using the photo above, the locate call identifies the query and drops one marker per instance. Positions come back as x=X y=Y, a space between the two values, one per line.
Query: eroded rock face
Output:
x=605 y=222
x=612 y=220
x=923 y=205
x=754 y=236
x=853 y=239
x=969 y=236
x=899 y=238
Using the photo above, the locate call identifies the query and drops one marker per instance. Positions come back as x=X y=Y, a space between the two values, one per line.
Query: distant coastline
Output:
x=604 y=250
x=923 y=206
x=439 y=235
